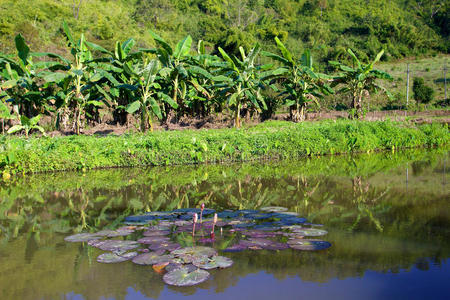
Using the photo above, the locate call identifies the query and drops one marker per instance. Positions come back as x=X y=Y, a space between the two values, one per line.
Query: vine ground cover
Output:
x=269 y=140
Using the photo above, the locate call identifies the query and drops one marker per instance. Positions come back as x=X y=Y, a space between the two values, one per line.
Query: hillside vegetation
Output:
x=401 y=27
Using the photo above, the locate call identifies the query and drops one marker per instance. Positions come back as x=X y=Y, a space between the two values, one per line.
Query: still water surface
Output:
x=387 y=214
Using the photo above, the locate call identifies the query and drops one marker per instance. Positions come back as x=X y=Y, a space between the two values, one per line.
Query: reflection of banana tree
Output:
x=314 y=202
x=365 y=199
x=249 y=195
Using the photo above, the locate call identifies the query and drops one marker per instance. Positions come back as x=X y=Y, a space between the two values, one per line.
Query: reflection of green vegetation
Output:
x=328 y=186
x=355 y=197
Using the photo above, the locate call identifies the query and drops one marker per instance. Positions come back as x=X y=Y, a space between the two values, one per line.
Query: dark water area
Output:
x=387 y=217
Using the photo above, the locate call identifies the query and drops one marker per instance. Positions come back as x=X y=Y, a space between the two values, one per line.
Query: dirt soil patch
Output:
x=222 y=121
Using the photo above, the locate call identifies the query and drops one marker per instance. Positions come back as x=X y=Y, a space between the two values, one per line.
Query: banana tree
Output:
x=360 y=80
x=202 y=96
x=116 y=68
x=173 y=63
x=20 y=79
x=27 y=125
x=78 y=81
x=5 y=113
x=301 y=85
x=240 y=82
x=149 y=92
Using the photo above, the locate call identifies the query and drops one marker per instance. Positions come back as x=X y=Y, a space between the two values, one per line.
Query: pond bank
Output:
x=269 y=140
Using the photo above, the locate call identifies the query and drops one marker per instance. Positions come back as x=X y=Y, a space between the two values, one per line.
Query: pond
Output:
x=387 y=217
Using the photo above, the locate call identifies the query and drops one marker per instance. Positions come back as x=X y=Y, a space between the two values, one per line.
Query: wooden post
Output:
x=445 y=82
x=407 y=88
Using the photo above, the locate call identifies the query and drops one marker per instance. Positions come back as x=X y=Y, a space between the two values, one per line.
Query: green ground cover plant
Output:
x=269 y=140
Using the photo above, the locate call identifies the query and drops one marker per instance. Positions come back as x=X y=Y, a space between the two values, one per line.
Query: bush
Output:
x=422 y=92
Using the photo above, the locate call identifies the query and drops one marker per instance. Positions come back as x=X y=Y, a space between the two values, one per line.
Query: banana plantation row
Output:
x=167 y=82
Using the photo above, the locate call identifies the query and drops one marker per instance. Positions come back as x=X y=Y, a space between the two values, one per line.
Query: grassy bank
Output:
x=269 y=140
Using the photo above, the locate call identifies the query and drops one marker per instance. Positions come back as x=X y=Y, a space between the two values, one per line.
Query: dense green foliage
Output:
x=422 y=93
x=167 y=81
x=329 y=27
x=265 y=141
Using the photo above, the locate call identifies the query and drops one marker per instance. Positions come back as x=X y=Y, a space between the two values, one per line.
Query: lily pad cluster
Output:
x=183 y=247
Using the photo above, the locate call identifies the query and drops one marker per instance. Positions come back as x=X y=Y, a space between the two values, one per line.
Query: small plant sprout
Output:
x=202 y=207
x=195 y=219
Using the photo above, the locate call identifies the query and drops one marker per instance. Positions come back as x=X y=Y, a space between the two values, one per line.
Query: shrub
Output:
x=422 y=92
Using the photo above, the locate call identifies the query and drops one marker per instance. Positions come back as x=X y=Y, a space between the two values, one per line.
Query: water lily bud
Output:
x=195 y=218
x=203 y=206
x=215 y=218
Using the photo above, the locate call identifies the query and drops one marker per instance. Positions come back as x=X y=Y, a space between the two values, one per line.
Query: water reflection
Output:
x=378 y=221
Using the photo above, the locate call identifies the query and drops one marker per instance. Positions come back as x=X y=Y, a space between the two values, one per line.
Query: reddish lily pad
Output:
x=236 y=248
x=308 y=245
x=151 y=258
x=214 y=262
x=276 y=246
x=110 y=257
x=156 y=232
x=153 y=239
x=209 y=224
x=259 y=234
x=115 y=245
x=182 y=277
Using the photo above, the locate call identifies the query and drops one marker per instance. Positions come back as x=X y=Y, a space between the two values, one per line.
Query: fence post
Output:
x=407 y=88
x=445 y=82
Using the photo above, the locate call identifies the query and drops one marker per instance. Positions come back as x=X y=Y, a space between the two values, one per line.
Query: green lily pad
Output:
x=82 y=237
x=190 y=254
x=114 y=245
x=110 y=257
x=309 y=232
x=182 y=277
x=114 y=233
x=176 y=265
x=195 y=251
x=274 y=209
x=151 y=258
x=213 y=262
x=308 y=245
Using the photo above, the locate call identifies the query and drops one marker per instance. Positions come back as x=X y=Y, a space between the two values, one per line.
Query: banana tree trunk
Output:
x=356 y=105
x=297 y=112
x=143 y=119
x=237 y=114
x=76 y=125
x=175 y=94
x=62 y=119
